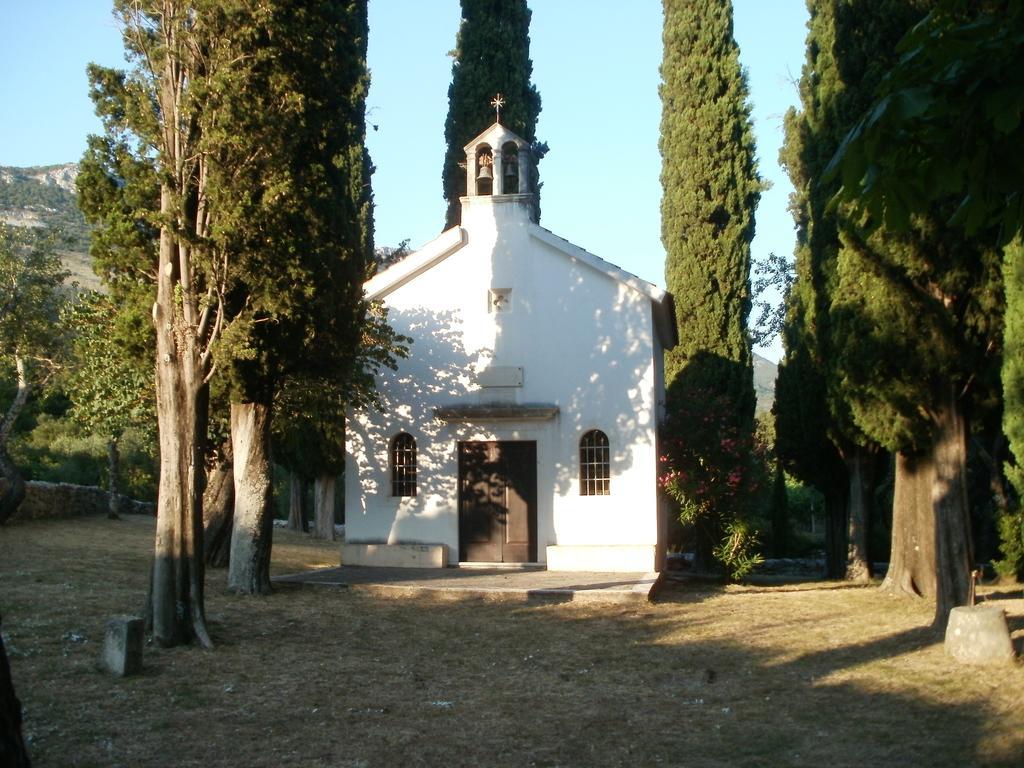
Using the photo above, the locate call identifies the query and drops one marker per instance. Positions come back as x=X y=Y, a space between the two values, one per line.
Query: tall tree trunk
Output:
x=912 y=558
x=860 y=469
x=953 y=545
x=297 y=504
x=113 y=471
x=219 y=508
x=253 y=526
x=12 y=745
x=835 y=533
x=177 y=596
x=323 y=507
x=12 y=484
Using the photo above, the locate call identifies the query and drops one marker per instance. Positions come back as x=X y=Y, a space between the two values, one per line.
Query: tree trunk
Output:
x=835 y=533
x=219 y=508
x=953 y=546
x=860 y=469
x=177 y=584
x=912 y=558
x=12 y=484
x=323 y=507
x=253 y=526
x=297 y=504
x=12 y=745
x=113 y=470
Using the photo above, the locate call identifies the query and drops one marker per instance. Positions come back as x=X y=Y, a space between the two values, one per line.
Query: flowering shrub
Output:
x=709 y=466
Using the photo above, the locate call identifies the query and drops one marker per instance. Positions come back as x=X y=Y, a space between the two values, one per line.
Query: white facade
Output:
x=518 y=336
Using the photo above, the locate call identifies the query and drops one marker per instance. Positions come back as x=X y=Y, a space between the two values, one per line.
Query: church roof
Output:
x=496 y=135
x=452 y=240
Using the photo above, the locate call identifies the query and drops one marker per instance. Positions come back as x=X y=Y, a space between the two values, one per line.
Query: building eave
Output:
x=415 y=264
x=663 y=305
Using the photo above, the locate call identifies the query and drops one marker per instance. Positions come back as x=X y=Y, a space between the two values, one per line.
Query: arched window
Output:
x=595 y=469
x=403 y=465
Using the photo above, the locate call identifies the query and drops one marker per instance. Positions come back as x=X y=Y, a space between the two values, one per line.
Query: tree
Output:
x=289 y=196
x=111 y=375
x=310 y=414
x=849 y=48
x=946 y=124
x=31 y=338
x=491 y=56
x=711 y=189
x=1011 y=523
x=151 y=121
x=954 y=100
x=111 y=390
x=804 y=428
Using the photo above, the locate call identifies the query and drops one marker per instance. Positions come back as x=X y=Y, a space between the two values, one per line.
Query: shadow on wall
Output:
x=584 y=339
x=450 y=380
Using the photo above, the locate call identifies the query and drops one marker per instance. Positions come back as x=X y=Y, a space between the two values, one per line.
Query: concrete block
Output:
x=122 y=646
x=395 y=555
x=631 y=558
x=978 y=634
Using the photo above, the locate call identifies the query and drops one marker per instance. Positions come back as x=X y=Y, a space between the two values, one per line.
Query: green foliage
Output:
x=1011 y=544
x=712 y=469
x=289 y=188
x=849 y=47
x=711 y=189
x=60 y=450
x=1013 y=360
x=891 y=320
x=119 y=194
x=947 y=124
x=31 y=299
x=309 y=415
x=491 y=56
x=1011 y=523
x=111 y=390
x=738 y=550
x=774 y=274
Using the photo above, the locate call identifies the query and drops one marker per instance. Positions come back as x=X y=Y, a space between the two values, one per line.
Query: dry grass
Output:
x=708 y=676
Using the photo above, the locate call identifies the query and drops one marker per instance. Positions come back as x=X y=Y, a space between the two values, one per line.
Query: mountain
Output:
x=765 y=372
x=45 y=196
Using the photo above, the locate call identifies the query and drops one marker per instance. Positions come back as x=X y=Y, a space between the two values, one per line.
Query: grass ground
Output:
x=707 y=676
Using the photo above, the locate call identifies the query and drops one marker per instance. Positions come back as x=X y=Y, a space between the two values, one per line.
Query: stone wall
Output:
x=46 y=500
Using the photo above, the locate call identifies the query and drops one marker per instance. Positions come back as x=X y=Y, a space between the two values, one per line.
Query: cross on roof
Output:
x=498 y=102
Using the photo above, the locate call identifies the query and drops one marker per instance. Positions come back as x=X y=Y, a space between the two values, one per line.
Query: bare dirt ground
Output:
x=811 y=674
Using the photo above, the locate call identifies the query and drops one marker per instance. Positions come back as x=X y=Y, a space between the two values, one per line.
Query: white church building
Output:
x=522 y=428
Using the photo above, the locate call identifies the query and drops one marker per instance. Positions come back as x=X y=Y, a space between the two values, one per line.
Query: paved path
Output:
x=486 y=582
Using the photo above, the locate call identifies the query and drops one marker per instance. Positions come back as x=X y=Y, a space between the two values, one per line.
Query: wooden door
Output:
x=498 y=502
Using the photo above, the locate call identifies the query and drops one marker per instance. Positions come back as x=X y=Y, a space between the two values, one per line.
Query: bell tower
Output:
x=498 y=167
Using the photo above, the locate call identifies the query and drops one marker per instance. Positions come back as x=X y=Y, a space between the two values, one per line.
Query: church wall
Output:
x=585 y=343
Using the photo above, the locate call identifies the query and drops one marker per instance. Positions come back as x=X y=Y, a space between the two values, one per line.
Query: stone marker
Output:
x=122 y=646
x=978 y=634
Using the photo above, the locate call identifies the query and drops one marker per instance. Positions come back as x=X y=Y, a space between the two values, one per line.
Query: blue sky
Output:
x=595 y=64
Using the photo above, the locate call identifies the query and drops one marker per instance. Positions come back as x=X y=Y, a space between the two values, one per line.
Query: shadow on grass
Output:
x=326 y=677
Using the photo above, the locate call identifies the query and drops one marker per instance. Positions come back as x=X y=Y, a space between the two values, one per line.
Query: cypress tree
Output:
x=710 y=191
x=849 y=48
x=290 y=209
x=945 y=132
x=1011 y=524
x=916 y=320
x=491 y=56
